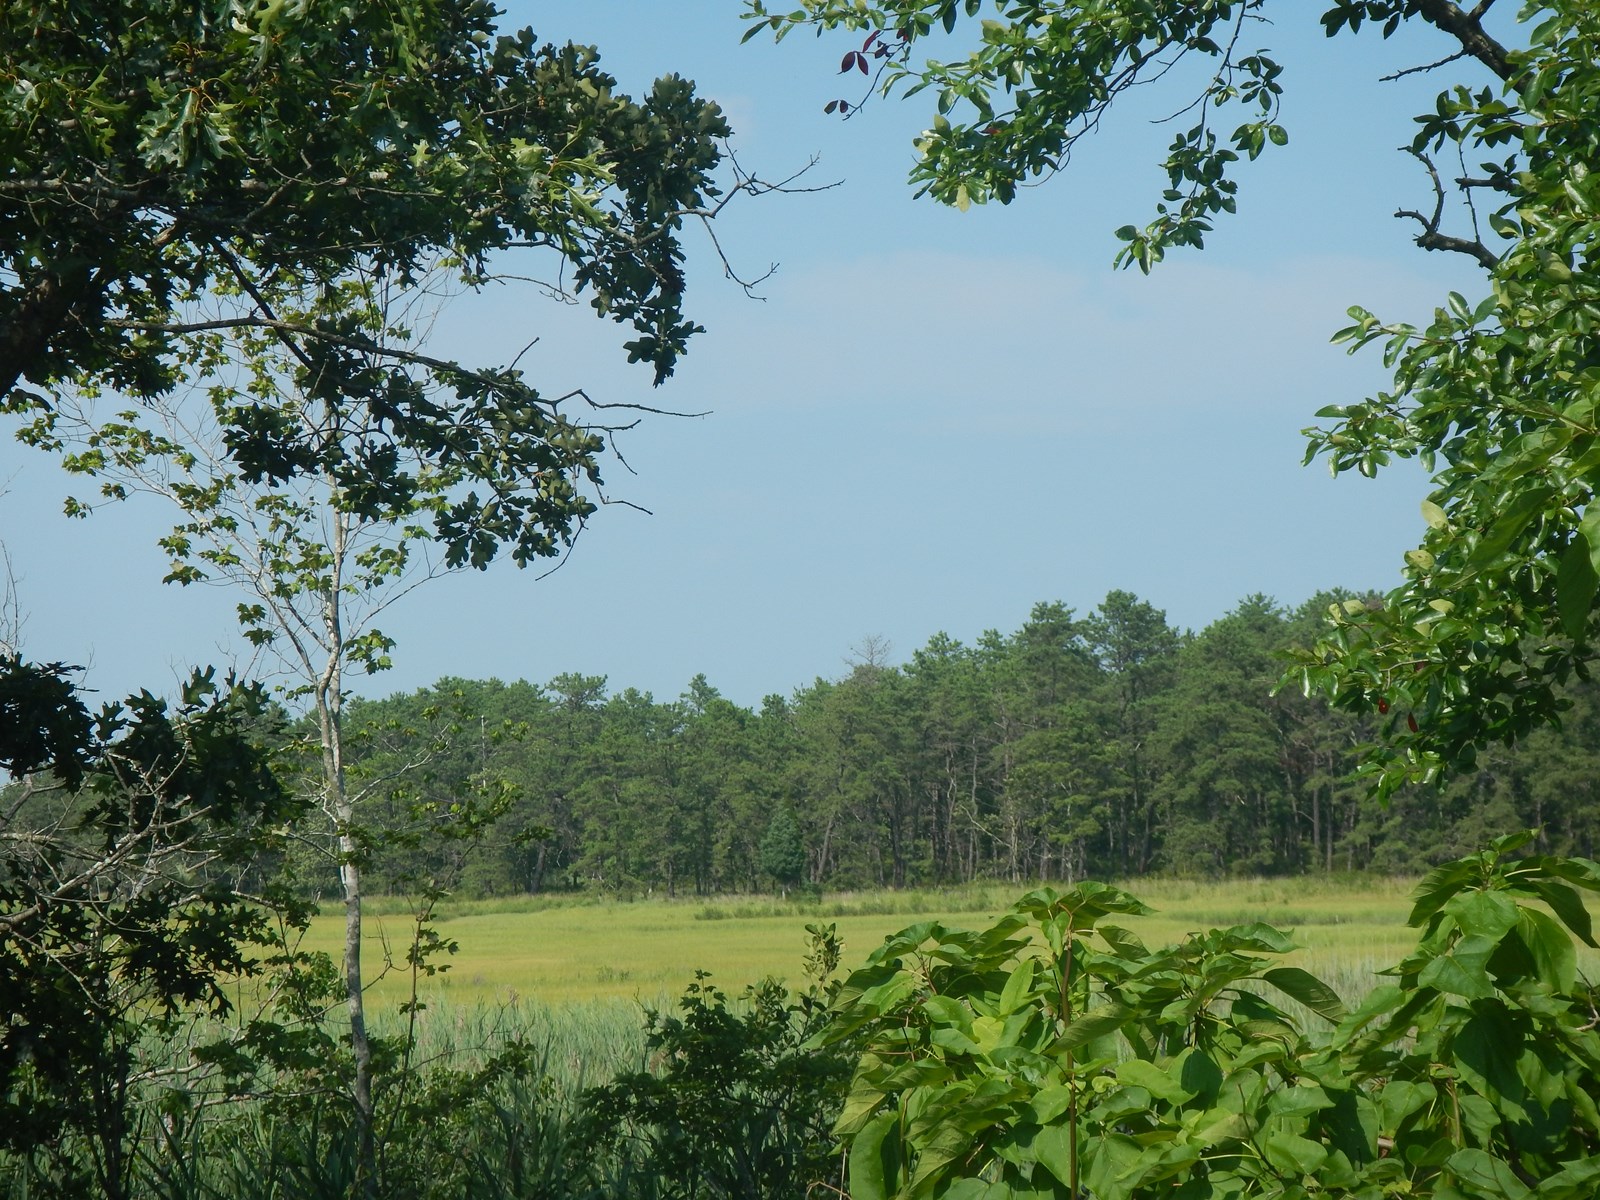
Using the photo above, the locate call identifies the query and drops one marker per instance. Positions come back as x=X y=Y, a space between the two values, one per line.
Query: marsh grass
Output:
x=571 y=950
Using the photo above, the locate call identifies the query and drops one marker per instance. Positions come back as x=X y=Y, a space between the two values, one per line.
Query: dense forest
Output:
x=1106 y=745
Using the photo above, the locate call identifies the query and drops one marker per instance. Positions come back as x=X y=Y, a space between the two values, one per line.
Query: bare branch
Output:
x=1430 y=238
x=1433 y=66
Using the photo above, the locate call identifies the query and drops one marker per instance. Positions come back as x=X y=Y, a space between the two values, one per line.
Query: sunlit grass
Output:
x=519 y=949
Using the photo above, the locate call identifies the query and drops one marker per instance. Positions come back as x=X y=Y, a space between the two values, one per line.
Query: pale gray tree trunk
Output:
x=329 y=694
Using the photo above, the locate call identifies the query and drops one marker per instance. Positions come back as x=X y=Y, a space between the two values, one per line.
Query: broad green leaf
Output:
x=1490 y=1174
x=1437 y=886
x=1554 y=957
x=1293 y=1154
x=1049 y=1103
x=875 y=1159
x=1216 y=1125
x=1258 y=936
x=1578 y=1180
x=1486 y=1049
x=1053 y=1146
x=1255 y=1053
x=977 y=1189
x=1159 y=1082
x=1489 y=915
x=1458 y=977
x=1017 y=987
x=1400 y=1098
x=1199 y=1074
x=863 y=1100
x=1567 y=905
x=1299 y=1100
x=1576 y=583
x=1096 y=1023
x=948 y=1011
x=1305 y=987
x=1125 y=943
x=1107 y=1160
x=948 y=1142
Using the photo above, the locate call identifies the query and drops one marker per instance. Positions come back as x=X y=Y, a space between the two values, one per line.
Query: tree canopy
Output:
x=1496 y=396
x=172 y=171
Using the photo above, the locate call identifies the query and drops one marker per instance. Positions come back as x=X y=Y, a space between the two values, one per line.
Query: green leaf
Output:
x=875 y=1159
x=1294 y=1155
x=1576 y=583
x=1018 y=984
x=1489 y=915
x=1308 y=990
x=1555 y=959
x=977 y=1189
x=1053 y=1145
x=1300 y=1100
x=1575 y=1181
x=1199 y=1073
x=1437 y=887
x=1450 y=974
x=1163 y=1084
x=1487 y=1173
x=1566 y=904
x=1486 y=1049
x=1513 y=519
x=1122 y=941
x=1096 y=1023
x=1049 y=1103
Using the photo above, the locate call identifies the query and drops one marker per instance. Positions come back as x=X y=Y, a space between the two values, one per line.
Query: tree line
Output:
x=1107 y=745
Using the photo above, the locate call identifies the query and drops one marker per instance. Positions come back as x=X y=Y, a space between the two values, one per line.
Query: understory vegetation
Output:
x=1049 y=1053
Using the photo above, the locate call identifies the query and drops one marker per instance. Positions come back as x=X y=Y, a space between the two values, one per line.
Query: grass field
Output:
x=557 y=954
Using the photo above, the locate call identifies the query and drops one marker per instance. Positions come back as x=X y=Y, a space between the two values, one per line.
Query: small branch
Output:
x=1433 y=66
x=1430 y=238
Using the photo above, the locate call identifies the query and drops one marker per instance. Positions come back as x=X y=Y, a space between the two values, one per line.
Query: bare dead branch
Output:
x=1431 y=238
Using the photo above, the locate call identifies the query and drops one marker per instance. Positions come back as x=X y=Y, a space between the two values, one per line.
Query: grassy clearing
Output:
x=521 y=948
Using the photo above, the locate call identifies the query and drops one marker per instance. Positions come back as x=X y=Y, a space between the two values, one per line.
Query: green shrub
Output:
x=1053 y=1055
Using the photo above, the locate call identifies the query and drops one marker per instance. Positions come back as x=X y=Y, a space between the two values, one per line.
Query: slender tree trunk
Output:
x=330 y=702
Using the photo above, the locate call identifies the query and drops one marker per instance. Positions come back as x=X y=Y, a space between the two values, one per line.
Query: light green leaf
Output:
x=1294 y=1155
x=1018 y=984
x=1160 y=1083
x=875 y=1159
x=1488 y=1173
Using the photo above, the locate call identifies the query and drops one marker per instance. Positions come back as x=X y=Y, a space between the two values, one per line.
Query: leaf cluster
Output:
x=1054 y=1055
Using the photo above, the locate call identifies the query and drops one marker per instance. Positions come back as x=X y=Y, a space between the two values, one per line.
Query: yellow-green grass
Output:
x=649 y=950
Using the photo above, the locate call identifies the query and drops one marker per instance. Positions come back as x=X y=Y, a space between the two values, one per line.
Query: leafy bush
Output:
x=1054 y=1055
x=739 y=1104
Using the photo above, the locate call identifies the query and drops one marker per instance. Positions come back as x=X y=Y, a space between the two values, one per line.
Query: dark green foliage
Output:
x=43 y=723
x=783 y=854
x=1107 y=744
x=119 y=911
x=177 y=174
x=738 y=1103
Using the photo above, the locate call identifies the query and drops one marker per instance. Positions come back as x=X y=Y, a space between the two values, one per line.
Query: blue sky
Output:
x=932 y=420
